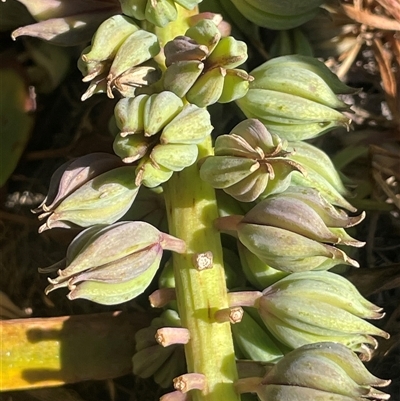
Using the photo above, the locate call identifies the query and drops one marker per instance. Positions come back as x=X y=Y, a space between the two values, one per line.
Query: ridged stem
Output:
x=191 y=210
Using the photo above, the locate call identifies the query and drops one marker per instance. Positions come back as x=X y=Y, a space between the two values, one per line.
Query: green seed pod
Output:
x=206 y=33
x=115 y=263
x=288 y=251
x=129 y=114
x=109 y=37
x=159 y=110
x=331 y=216
x=208 y=88
x=132 y=147
x=319 y=68
x=161 y=12
x=300 y=82
x=236 y=85
x=229 y=53
x=190 y=126
x=321 y=174
x=258 y=273
x=297 y=132
x=295 y=91
x=174 y=157
x=253 y=340
x=326 y=309
x=139 y=47
x=199 y=63
x=73 y=174
x=323 y=371
x=249 y=163
x=287 y=108
x=299 y=216
x=102 y=200
x=150 y=175
x=182 y=75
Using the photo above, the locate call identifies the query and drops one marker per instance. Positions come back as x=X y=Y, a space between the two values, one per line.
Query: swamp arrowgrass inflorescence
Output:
x=167 y=69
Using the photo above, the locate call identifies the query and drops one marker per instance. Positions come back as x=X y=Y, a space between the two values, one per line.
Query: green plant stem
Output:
x=192 y=209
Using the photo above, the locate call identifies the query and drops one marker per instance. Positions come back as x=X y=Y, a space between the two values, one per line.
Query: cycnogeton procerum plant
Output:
x=279 y=197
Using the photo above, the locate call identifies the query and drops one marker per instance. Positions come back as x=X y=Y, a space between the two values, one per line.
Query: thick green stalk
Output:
x=192 y=209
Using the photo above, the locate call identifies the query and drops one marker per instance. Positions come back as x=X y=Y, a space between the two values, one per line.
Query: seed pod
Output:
x=321 y=174
x=139 y=47
x=236 y=85
x=115 y=263
x=184 y=48
x=329 y=309
x=299 y=216
x=258 y=273
x=159 y=110
x=198 y=63
x=208 y=88
x=249 y=163
x=129 y=115
x=229 y=53
x=182 y=75
x=190 y=126
x=290 y=252
x=150 y=175
x=109 y=37
x=132 y=147
x=291 y=91
x=174 y=157
x=253 y=340
x=73 y=174
x=102 y=200
x=323 y=371
x=161 y=12
x=205 y=33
